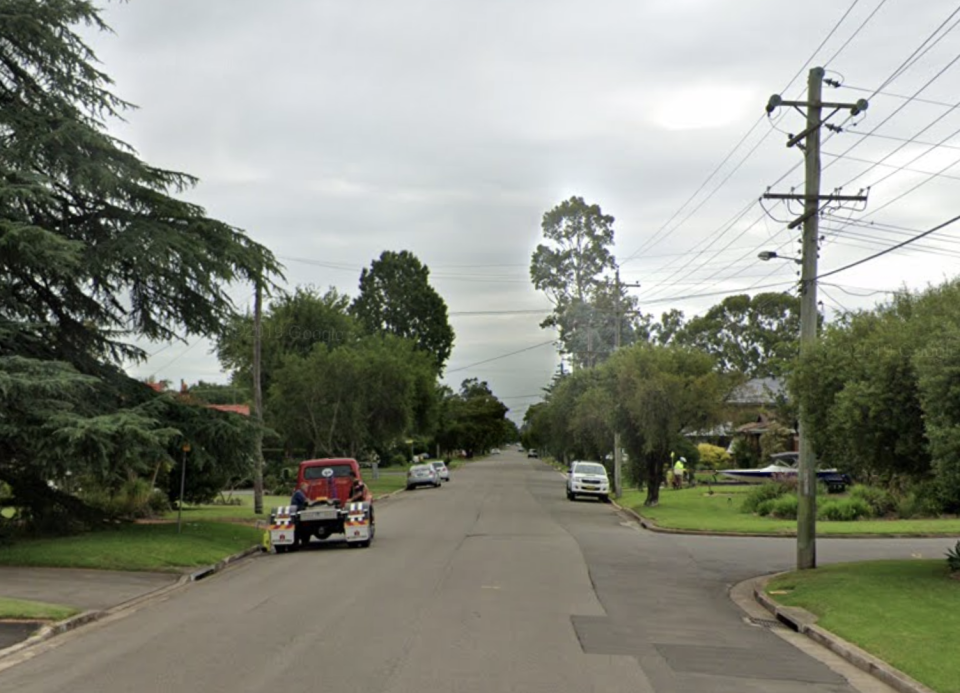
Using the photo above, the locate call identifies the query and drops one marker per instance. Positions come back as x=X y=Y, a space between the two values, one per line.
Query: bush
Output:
x=158 y=503
x=784 y=507
x=765 y=507
x=764 y=492
x=953 y=558
x=713 y=457
x=881 y=501
x=845 y=510
x=922 y=500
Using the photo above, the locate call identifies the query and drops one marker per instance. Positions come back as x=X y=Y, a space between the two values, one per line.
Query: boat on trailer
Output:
x=785 y=467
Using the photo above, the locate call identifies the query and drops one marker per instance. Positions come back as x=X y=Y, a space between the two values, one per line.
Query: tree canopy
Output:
x=396 y=298
x=95 y=251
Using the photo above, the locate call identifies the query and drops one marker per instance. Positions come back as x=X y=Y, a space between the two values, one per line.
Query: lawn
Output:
x=695 y=509
x=906 y=613
x=234 y=513
x=153 y=547
x=34 y=611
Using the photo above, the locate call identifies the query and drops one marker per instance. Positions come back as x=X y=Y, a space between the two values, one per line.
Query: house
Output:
x=750 y=411
x=242 y=409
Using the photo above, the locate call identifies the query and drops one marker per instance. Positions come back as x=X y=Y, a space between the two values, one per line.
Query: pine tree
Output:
x=94 y=251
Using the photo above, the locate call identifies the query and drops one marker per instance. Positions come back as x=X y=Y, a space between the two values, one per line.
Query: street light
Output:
x=766 y=255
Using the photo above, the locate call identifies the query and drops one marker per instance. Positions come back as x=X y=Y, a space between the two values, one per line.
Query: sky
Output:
x=332 y=130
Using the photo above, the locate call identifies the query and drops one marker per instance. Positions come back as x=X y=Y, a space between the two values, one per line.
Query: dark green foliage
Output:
x=292 y=325
x=953 y=557
x=783 y=507
x=352 y=399
x=881 y=391
x=396 y=298
x=844 y=510
x=94 y=252
x=472 y=419
x=921 y=499
x=763 y=492
x=881 y=501
x=757 y=336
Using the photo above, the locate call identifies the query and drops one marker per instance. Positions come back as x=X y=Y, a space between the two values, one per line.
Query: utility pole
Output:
x=812 y=199
x=258 y=399
x=617 y=454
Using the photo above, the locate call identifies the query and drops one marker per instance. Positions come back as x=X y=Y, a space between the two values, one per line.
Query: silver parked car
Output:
x=422 y=475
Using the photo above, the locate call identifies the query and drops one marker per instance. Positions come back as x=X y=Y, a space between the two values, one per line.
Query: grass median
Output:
x=21 y=610
x=149 y=547
x=698 y=509
x=907 y=613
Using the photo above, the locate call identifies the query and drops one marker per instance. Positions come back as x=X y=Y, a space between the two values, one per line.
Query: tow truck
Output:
x=329 y=510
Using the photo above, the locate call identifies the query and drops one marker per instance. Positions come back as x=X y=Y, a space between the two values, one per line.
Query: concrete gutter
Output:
x=53 y=629
x=805 y=623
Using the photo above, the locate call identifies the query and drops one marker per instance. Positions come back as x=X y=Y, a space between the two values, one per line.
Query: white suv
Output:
x=588 y=479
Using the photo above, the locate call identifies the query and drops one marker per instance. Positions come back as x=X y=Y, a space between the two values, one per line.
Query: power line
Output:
x=856 y=31
x=917 y=99
x=890 y=249
x=502 y=356
x=662 y=231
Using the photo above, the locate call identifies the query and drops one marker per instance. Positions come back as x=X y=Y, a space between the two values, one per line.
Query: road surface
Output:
x=494 y=582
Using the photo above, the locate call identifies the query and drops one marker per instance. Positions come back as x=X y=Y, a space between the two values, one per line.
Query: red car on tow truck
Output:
x=338 y=502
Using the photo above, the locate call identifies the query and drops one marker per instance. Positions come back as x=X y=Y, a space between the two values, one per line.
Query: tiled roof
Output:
x=235 y=408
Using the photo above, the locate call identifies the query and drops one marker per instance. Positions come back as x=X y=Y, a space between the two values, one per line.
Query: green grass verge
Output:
x=232 y=513
x=906 y=613
x=695 y=509
x=34 y=611
x=153 y=547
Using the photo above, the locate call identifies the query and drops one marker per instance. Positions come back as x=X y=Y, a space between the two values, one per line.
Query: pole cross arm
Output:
x=815 y=198
x=855 y=108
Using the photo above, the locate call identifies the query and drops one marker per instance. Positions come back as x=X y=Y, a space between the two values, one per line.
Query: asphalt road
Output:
x=493 y=583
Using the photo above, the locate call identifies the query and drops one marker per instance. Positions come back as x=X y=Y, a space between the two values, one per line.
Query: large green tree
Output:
x=350 y=400
x=661 y=392
x=757 y=336
x=473 y=419
x=881 y=391
x=396 y=298
x=292 y=324
x=573 y=267
x=95 y=250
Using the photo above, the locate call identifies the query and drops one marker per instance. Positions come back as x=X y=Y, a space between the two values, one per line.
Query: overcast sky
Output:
x=331 y=130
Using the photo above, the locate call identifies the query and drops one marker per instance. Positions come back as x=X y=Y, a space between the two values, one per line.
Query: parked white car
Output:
x=588 y=479
x=441 y=469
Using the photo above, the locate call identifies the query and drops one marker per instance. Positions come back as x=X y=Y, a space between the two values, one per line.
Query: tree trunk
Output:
x=654 y=479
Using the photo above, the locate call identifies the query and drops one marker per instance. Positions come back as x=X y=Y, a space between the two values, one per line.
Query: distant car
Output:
x=441 y=469
x=495 y=451
x=532 y=453
x=422 y=475
x=588 y=479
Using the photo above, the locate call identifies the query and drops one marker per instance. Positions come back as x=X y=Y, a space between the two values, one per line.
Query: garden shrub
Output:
x=713 y=457
x=784 y=507
x=881 y=501
x=845 y=510
x=953 y=558
x=922 y=500
x=765 y=507
x=758 y=494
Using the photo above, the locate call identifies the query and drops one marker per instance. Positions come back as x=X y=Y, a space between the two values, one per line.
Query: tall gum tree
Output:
x=569 y=267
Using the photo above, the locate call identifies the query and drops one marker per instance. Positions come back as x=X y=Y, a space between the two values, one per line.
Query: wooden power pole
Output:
x=812 y=201
x=258 y=399
x=617 y=454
